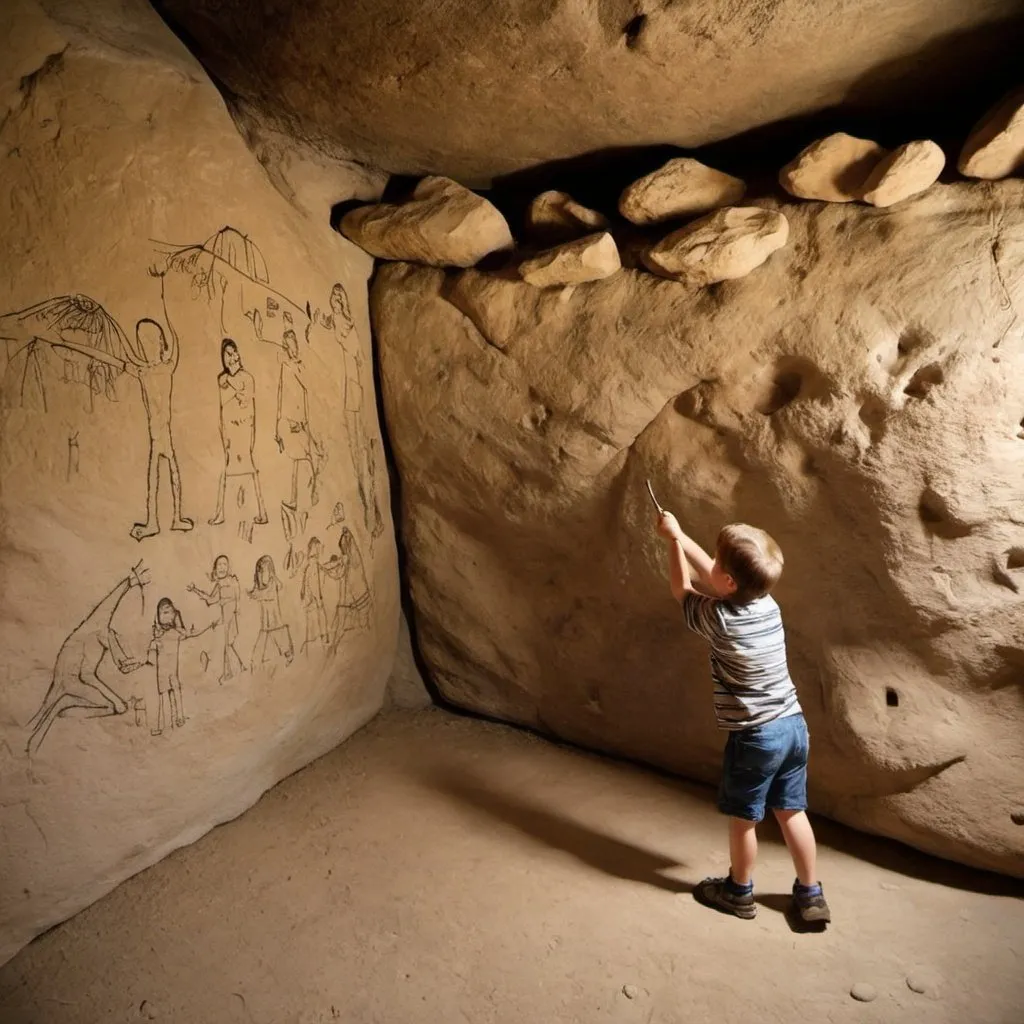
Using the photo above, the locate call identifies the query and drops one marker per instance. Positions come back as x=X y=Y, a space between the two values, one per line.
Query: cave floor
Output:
x=441 y=869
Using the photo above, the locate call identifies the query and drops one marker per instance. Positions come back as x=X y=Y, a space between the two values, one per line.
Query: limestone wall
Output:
x=199 y=585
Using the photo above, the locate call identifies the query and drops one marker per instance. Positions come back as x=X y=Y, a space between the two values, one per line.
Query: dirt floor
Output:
x=439 y=869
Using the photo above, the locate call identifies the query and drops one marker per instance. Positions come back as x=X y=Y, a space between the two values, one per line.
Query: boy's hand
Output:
x=668 y=527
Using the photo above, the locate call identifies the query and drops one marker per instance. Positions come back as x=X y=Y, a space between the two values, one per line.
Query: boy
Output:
x=765 y=762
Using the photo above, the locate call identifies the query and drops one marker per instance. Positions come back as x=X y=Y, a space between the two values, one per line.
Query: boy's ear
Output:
x=731 y=584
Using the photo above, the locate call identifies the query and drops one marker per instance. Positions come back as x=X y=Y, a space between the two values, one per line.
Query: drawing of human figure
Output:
x=266 y=590
x=76 y=687
x=312 y=595
x=164 y=650
x=354 y=600
x=154 y=363
x=294 y=436
x=226 y=593
x=237 y=428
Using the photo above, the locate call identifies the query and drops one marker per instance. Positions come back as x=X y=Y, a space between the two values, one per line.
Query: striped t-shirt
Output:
x=748 y=659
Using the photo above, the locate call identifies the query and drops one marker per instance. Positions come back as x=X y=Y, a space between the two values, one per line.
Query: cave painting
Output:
x=312 y=597
x=76 y=689
x=355 y=603
x=237 y=391
x=294 y=436
x=225 y=593
x=228 y=270
x=266 y=591
x=154 y=361
x=164 y=655
x=69 y=339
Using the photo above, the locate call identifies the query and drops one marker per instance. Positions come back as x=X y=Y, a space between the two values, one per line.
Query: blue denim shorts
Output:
x=765 y=766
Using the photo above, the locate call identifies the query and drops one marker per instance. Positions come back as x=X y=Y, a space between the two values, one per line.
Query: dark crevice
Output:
x=633 y=30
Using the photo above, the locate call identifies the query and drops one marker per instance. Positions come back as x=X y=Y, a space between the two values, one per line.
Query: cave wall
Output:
x=198 y=577
x=859 y=395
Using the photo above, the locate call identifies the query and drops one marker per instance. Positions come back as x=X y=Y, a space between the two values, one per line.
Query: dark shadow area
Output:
x=594 y=848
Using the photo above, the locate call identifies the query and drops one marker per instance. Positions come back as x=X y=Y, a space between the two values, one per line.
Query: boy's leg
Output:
x=742 y=850
x=799 y=836
x=787 y=797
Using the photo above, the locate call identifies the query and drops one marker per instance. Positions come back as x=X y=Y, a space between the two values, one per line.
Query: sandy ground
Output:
x=440 y=869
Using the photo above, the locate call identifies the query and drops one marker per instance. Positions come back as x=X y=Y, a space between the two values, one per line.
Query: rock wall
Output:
x=521 y=82
x=859 y=395
x=199 y=587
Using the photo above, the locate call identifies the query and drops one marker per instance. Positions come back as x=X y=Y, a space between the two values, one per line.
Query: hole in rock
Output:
x=938 y=519
x=1015 y=558
x=1020 y=432
x=633 y=29
x=911 y=340
x=924 y=380
x=785 y=389
x=892 y=698
x=1017 y=817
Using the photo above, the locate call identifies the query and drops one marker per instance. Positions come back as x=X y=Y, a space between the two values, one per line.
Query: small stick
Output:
x=650 y=491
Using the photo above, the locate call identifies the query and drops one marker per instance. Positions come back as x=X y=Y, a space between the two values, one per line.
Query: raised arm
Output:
x=679 y=572
x=161 y=273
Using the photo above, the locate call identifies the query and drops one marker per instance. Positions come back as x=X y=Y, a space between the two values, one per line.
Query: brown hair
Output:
x=752 y=558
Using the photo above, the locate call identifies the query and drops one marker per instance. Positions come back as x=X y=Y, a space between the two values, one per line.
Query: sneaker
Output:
x=716 y=892
x=811 y=906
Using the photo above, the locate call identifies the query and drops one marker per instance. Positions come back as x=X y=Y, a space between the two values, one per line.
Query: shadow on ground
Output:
x=597 y=849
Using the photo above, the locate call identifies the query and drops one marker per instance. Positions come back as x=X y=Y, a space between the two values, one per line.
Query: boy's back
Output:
x=748 y=659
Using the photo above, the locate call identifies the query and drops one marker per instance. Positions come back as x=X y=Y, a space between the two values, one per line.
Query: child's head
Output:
x=167 y=616
x=221 y=568
x=748 y=563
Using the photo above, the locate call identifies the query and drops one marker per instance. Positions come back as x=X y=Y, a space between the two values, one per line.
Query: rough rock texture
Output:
x=860 y=397
x=720 y=247
x=995 y=148
x=182 y=623
x=589 y=259
x=475 y=90
x=906 y=171
x=443 y=224
x=834 y=168
x=681 y=188
x=556 y=217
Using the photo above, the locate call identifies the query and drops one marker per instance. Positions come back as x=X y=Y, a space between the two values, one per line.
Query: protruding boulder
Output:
x=720 y=247
x=588 y=259
x=557 y=217
x=907 y=170
x=442 y=225
x=834 y=169
x=681 y=188
x=995 y=147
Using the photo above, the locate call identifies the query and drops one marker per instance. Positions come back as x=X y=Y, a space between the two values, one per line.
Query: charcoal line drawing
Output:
x=371 y=466
x=226 y=593
x=355 y=603
x=237 y=390
x=164 y=655
x=76 y=689
x=266 y=590
x=73 y=454
x=229 y=269
x=294 y=436
x=312 y=596
x=154 y=363
x=74 y=338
